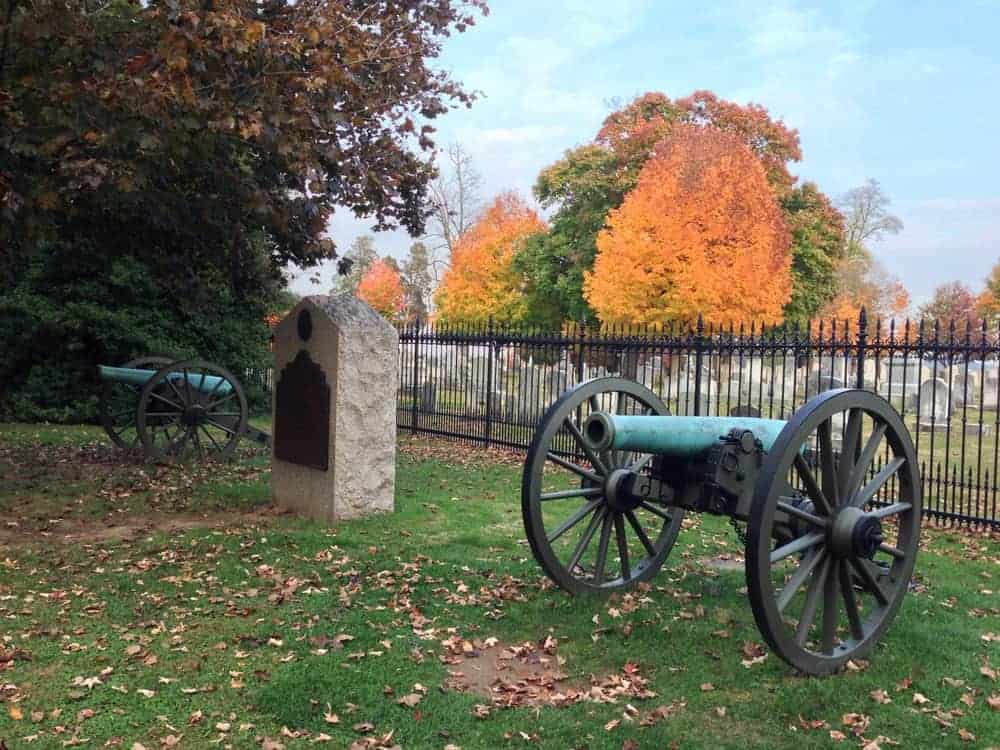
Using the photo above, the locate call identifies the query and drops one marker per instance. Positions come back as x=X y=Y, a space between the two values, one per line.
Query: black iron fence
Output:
x=491 y=384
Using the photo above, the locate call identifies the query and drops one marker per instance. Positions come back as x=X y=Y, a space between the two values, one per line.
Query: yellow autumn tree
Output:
x=381 y=287
x=481 y=281
x=701 y=233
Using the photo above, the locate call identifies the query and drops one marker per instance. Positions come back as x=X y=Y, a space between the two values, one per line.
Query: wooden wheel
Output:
x=119 y=404
x=191 y=409
x=833 y=530
x=583 y=540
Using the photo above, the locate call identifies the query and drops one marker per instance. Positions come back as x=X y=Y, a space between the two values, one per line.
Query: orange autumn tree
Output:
x=701 y=232
x=382 y=288
x=481 y=281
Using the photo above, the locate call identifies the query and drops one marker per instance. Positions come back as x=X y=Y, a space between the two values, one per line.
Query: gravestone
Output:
x=933 y=412
x=336 y=372
x=991 y=387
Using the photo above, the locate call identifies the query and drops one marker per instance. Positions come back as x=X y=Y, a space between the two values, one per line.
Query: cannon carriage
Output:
x=174 y=410
x=829 y=500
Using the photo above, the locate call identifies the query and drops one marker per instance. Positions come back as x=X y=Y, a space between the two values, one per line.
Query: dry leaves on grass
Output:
x=531 y=674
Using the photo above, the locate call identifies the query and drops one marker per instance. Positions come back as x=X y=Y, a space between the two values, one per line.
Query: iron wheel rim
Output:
x=602 y=525
x=118 y=405
x=164 y=407
x=862 y=594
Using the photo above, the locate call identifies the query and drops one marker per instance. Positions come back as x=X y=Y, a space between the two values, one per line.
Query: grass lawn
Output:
x=151 y=607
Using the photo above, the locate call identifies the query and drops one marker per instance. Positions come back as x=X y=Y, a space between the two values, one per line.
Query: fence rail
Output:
x=491 y=384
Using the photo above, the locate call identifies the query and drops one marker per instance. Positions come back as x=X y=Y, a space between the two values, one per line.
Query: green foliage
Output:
x=161 y=162
x=584 y=185
x=79 y=304
x=817 y=230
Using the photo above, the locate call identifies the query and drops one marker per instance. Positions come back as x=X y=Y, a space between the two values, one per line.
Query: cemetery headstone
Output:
x=933 y=412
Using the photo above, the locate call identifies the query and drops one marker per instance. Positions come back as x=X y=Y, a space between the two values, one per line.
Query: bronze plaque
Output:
x=302 y=414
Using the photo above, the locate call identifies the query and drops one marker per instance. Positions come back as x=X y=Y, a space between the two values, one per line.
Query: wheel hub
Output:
x=855 y=533
x=193 y=415
x=617 y=489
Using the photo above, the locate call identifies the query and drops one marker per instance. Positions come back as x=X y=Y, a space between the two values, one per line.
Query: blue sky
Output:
x=905 y=92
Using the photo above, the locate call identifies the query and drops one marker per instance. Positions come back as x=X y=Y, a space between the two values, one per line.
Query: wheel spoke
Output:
x=588 y=534
x=212 y=422
x=576 y=492
x=797 y=545
x=804 y=515
x=848 y=452
x=579 y=470
x=602 y=550
x=799 y=577
x=187 y=386
x=890 y=510
x=224 y=399
x=657 y=511
x=170 y=382
x=829 y=611
x=165 y=400
x=875 y=484
x=828 y=469
x=850 y=601
x=641 y=464
x=211 y=437
x=812 y=486
x=574 y=519
x=867 y=456
x=868 y=579
x=812 y=602
x=641 y=533
x=197 y=442
x=622 y=547
x=594 y=459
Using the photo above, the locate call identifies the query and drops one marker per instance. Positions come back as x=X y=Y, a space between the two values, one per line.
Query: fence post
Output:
x=414 y=387
x=862 y=340
x=579 y=352
x=698 y=355
x=490 y=364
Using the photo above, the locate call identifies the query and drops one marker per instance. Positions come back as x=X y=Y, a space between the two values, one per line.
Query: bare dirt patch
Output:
x=532 y=675
x=725 y=561
x=128 y=528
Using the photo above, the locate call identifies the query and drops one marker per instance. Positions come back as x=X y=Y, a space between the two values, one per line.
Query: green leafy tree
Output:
x=357 y=260
x=418 y=282
x=817 y=230
x=161 y=162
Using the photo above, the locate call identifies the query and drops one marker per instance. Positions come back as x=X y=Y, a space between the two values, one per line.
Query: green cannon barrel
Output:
x=139 y=378
x=682 y=437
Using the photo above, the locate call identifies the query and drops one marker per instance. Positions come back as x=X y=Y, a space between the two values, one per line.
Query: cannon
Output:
x=827 y=503
x=174 y=410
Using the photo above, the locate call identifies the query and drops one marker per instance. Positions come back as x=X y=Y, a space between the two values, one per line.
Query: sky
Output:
x=902 y=92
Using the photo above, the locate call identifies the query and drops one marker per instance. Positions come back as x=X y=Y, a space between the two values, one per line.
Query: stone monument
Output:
x=336 y=373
